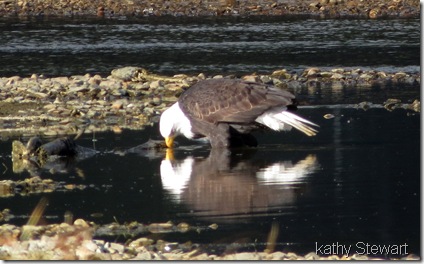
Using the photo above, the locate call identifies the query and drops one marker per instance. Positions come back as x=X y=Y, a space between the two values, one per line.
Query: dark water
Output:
x=212 y=46
x=358 y=180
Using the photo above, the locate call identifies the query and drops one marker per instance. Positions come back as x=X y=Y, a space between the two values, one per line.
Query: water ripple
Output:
x=172 y=46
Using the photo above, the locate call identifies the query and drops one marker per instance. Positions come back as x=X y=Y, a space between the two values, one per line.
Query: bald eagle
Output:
x=226 y=111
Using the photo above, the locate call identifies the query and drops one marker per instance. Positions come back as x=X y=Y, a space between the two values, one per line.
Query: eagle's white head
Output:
x=174 y=122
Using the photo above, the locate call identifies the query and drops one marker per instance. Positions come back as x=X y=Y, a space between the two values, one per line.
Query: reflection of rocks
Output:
x=228 y=185
x=59 y=155
x=34 y=185
x=391 y=104
x=150 y=149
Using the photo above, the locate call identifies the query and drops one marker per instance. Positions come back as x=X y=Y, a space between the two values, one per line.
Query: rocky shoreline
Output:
x=74 y=241
x=131 y=97
x=201 y=8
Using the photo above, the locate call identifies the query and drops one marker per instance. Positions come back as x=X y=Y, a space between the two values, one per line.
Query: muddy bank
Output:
x=192 y=8
x=131 y=97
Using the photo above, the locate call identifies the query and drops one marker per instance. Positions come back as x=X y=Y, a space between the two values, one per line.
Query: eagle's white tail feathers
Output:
x=284 y=120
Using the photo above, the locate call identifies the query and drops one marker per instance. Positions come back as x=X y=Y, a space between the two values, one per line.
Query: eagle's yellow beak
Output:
x=169 y=141
x=169 y=154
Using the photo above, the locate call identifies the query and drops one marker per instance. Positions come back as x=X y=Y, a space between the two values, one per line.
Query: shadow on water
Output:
x=356 y=181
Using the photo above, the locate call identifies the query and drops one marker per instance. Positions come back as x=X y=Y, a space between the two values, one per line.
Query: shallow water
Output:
x=213 y=46
x=356 y=181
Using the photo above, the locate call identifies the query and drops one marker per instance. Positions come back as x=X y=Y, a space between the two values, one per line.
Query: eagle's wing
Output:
x=230 y=100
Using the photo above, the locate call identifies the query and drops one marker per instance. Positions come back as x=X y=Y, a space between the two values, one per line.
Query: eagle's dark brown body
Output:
x=225 y=110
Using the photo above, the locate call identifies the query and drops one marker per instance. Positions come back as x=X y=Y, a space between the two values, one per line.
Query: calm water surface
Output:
x=356 y=181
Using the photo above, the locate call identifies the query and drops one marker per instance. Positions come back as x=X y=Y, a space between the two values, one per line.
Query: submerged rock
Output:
x=392 y=104
x=415 y=106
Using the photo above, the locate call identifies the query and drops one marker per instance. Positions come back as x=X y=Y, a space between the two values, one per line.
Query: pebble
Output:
x=143 y=256
x=119 y=104
x=329 y=116
x=266 y=79
x=143 y=241
x=311 y=256
x=246 y=256
x=251 y=78
x=68 y=102
x=81 y=222
x=183 y=227
x=125 y=73
x=338 y=70
x=365 y=76
x=117 y=247
x=311 y=72
x=47 y=242
x=278 y=255
x=193 y=8
x=337 y=76
x=156 y=84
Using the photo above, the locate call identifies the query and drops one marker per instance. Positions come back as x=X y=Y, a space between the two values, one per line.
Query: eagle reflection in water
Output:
x=228 y=184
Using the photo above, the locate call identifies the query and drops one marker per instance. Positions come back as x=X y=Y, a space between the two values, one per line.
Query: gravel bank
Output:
x=75 y=241
x=192 y=8
x=131 y=98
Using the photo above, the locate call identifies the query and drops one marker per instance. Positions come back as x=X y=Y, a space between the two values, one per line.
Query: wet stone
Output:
x=251 y=78
x=411 y=257
x=365 y=76
x=266 y=79
x=126 y=73
x=329 y=116
x=247 y=256
x=415 y=106
x=278 y=255
x=119 y=104
x=143 y=256
x=311 y=256
x=78 y=89
x=117 y=247
x=110 y=84
x=364 y=105
x=359 y=257
x=96 y=97
x=156 y=84
x=143 y=241
x=311 y=72
x=337 y=76
x=391 y=104
x=81 y=222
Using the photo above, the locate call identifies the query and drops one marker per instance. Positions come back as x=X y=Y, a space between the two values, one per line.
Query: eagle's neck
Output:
x=181 y=123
